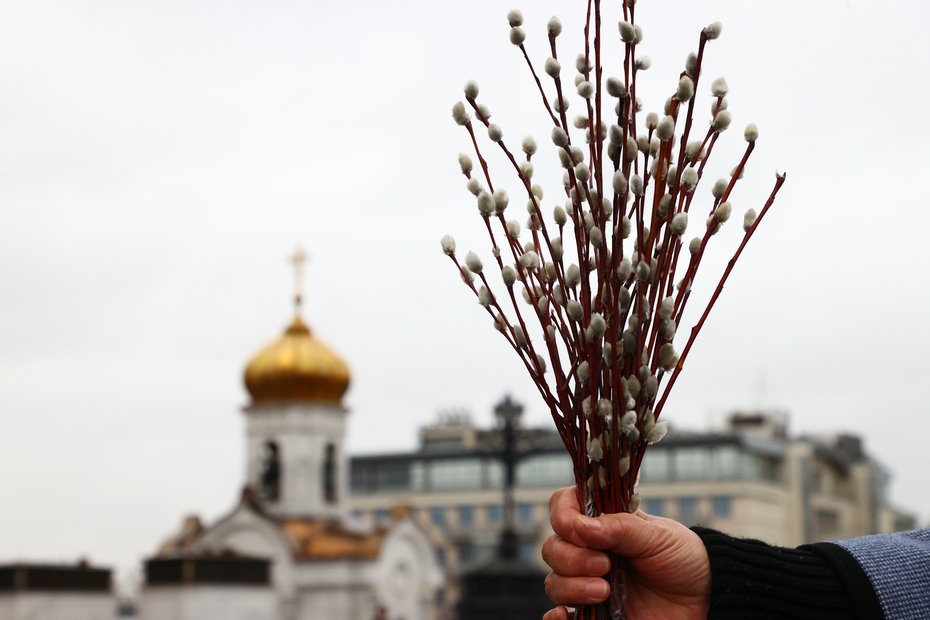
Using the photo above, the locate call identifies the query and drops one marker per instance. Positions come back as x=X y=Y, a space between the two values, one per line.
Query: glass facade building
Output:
x=750 y=480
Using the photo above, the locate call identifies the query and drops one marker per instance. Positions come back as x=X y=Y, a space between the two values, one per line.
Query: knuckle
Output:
x=556 y=499
x=559 y=524
x=614 y=526
x=550 y=583
x=548 y=545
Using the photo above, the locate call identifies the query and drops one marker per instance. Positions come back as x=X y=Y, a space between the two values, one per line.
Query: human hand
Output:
x=667 y=569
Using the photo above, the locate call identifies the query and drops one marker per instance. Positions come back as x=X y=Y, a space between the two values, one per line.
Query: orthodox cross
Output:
x=298 y=259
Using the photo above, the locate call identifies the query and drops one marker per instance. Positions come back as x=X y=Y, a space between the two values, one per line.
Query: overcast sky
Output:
x=159 y=161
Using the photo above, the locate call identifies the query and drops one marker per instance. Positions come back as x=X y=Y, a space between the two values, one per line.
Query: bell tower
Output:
x=295 y=422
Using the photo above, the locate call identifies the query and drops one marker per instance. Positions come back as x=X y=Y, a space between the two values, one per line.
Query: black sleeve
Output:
x=752 y=580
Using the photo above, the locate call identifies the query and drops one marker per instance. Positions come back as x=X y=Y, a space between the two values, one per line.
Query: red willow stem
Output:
x=484 y=164
x=726 y=274
x=696 y=259
x=497 y=257
x=686 y=284
x=673 y=261
x=542 y=92
x=694 y=80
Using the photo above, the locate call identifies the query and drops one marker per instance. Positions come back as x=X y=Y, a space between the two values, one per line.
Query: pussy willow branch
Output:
x=608 y=329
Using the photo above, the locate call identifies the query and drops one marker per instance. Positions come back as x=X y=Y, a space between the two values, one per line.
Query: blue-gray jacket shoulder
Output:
x=898 y=565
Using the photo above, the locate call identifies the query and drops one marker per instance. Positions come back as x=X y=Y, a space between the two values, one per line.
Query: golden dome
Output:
x=296 y=367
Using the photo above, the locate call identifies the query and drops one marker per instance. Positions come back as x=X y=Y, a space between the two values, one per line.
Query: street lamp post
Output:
x=508 y=415
x=506 y=588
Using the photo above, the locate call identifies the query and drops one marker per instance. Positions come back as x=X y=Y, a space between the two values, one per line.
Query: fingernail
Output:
x=592 y=524
x=597 y=565
x=598 y=589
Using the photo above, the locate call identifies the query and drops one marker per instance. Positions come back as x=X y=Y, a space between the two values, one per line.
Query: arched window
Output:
x=270 y=472
x=329 y=474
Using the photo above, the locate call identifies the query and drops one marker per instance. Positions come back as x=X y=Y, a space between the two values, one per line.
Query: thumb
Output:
x=625 y=534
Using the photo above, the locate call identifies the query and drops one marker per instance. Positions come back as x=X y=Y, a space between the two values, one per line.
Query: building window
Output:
x=770 y=469
x=692 y=464
x=359 y=475
x=495 y=513
x=687 y=509
x=392 y=476
x=466 y=516
x=525 y=551
x=655 y=506
x=270 y=476
x=466 y=554
x=437 y=515
x=381 y=516
x=656 y=465
x=723 y=506
x=524 y=513
x=329 y=474
x=418 y=476
x=748 y=466
x=545 y=470
x=441 y=556
x=725 y=463
x=455 y=475
x=493 y=474
x=757 y=467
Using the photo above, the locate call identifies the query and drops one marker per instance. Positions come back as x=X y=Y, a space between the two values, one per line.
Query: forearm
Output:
x=753 y=580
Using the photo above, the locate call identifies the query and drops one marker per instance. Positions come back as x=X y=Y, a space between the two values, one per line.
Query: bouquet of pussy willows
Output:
x=591 y=295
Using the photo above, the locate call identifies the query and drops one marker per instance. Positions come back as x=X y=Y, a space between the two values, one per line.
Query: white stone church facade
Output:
x=294 y=512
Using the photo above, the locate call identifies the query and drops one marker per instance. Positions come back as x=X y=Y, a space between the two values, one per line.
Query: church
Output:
x=289 y=550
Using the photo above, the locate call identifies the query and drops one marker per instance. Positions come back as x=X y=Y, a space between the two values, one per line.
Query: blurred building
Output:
x=754 y=480
x=56 y=592
x=199 y=585
x=289 y=550
x=453 y=486
x=751 y=480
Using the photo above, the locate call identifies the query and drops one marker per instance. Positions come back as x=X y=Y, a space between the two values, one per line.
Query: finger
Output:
x=645 y=516
x=576 y=590
x=570 y=560
x=625 y=534
x=559 y=613
x=563 y=508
